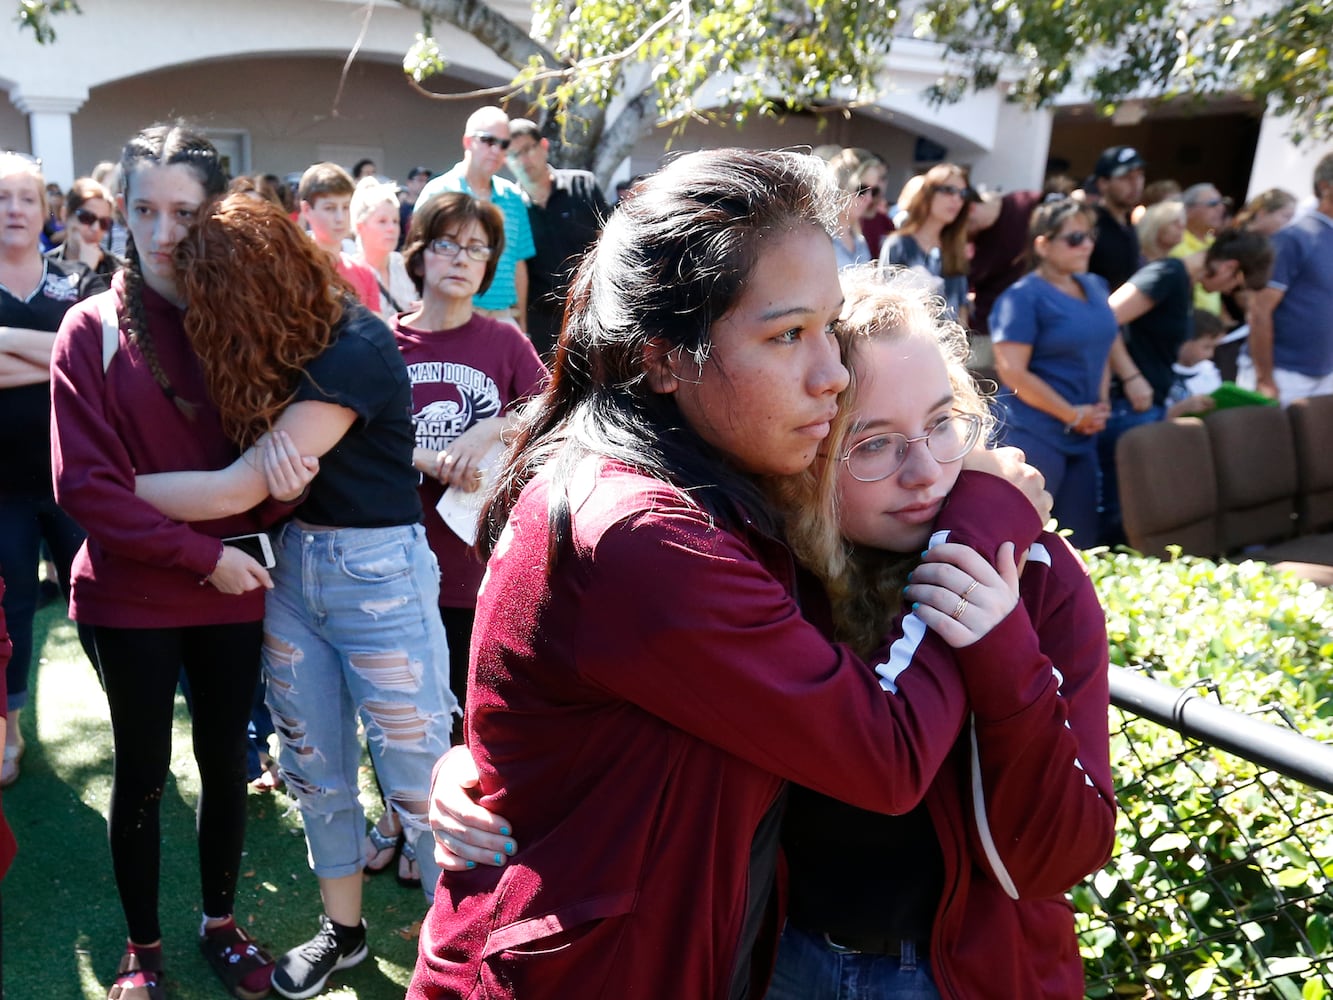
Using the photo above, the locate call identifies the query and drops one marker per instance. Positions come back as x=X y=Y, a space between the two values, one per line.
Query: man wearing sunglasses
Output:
x=485 y=141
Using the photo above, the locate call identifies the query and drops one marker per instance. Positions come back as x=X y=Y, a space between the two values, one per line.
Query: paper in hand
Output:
x=461 y=510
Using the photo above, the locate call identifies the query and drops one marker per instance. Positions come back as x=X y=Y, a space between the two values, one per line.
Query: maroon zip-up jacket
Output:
x=637 y=712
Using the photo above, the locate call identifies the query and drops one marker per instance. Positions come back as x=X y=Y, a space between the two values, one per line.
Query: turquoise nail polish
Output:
x=915 y=605
x=504 y=831
x=509 y=847
x=472 y=864
x=499 y=859
x=909 y=577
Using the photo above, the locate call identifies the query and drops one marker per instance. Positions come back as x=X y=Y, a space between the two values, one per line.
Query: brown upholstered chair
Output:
x=1256 y=476
x=1168 y=488
x=1312 y=430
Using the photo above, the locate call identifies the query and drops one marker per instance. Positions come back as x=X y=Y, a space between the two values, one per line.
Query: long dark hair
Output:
x=672 y=260
x=160 y=146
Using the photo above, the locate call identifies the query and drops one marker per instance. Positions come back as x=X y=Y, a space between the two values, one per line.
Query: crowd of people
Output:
x=631 y=503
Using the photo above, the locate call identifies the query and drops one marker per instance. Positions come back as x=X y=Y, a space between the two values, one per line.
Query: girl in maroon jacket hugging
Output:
x=129 y=397
x=1022 y=808
x=643 y=684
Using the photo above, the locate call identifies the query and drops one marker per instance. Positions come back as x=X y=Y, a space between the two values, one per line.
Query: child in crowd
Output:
x=1196 y=377
x=325 y=194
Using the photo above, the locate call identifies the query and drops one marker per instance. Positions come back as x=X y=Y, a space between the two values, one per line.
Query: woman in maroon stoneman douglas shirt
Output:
x=642 y=682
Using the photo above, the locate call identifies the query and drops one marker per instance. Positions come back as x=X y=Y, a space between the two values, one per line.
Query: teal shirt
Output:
x=508 y=198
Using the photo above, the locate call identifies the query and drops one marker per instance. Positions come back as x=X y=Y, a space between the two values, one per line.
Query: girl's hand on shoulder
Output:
x=287 y=473
x=1010 y=464
x=238 y=573
x=466 y=835
x=959 y=595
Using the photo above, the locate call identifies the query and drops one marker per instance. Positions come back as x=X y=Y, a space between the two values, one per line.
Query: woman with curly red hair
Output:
x=350 y=627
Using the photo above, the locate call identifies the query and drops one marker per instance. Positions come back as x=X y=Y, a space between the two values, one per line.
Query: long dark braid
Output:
x=163 y=145
x=137 y=331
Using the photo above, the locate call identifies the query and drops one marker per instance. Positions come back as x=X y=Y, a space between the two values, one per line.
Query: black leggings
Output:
x=140 y=668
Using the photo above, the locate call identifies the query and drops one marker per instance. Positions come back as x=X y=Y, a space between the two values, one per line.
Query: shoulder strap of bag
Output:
x=110 y=329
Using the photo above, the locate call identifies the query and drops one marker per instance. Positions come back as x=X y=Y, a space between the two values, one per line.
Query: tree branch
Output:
x=480 y=20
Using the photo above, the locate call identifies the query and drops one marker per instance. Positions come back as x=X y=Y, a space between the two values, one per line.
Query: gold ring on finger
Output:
x=958 y=611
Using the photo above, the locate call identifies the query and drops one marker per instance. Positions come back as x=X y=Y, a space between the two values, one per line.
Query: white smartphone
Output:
x=257 y=546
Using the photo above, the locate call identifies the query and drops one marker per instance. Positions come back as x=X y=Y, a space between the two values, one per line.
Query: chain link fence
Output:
x=1220 y=882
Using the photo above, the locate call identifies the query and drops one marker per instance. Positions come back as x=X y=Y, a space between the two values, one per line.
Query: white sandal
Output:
x=9 y=770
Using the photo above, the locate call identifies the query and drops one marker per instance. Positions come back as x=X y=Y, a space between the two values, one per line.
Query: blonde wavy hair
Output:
x=865 y=584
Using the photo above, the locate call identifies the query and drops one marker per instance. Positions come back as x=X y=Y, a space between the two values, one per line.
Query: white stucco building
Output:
x=265 y=79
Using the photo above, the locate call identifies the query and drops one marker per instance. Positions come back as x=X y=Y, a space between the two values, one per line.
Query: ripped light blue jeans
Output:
x=352 y=628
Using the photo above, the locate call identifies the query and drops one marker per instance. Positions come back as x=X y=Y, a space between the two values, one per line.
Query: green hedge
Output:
x=1219 y=884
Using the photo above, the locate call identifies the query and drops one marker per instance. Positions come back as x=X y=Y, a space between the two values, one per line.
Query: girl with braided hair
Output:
x=129 y=396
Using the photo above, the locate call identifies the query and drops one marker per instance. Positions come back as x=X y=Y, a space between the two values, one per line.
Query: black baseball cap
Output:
x=1118 y=161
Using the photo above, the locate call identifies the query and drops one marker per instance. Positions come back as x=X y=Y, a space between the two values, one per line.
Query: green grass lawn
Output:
x=64 y=932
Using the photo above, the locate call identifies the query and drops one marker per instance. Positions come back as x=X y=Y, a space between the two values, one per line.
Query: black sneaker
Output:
x=304 y=970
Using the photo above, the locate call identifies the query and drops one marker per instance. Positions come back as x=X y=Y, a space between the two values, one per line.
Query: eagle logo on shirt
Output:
x=439 y=422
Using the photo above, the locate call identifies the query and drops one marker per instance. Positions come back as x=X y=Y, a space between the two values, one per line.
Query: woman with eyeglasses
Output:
x=468 y=373
x=1053 y=330
x=88 y=219
x=35 y=294
x=932 y=240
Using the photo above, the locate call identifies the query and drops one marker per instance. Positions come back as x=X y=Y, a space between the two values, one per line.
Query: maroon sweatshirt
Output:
x=138 y=568
x=636 y=714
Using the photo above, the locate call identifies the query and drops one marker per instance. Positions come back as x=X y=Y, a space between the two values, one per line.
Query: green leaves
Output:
x=36 y=15
x=1219 y=883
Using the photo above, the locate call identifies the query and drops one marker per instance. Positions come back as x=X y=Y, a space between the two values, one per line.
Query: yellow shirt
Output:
x=1207 y=301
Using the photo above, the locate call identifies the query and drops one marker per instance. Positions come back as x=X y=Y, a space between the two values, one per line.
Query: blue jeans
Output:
x=352 y=628
x=1072 y=477
x=808 y=968
x=25 y=522
x=1123 y=418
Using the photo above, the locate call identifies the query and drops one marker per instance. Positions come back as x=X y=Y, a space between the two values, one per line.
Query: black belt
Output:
x=864 y=944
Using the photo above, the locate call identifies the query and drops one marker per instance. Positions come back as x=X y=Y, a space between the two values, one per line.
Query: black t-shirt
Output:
x=1115 y=256
x=1154 y=338
x=25 y=411
x=561 y=232
x=367 y=479
x=853 y=872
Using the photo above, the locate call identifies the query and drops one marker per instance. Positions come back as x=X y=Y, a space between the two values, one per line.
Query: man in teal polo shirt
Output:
x=485 y=140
